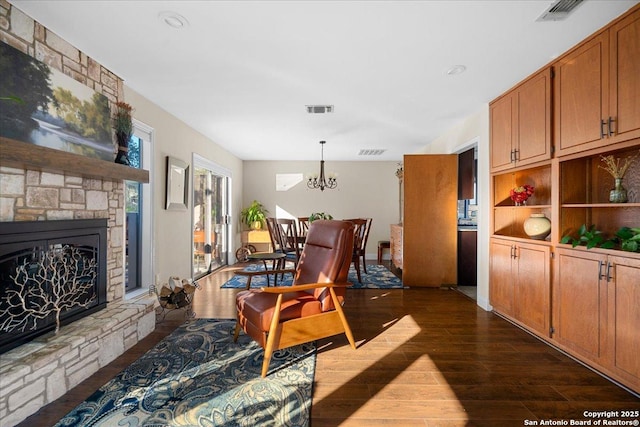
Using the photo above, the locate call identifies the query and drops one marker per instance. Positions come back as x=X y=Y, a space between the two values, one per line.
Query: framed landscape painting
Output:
x=42 y=106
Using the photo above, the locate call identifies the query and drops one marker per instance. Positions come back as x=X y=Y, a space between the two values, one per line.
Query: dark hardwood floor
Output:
x=425 y=357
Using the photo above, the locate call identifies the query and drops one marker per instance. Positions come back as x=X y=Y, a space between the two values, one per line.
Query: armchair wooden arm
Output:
x=305 y=287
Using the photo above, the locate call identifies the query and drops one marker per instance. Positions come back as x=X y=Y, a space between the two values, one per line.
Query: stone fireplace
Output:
x=45 y=185
x=45 y=368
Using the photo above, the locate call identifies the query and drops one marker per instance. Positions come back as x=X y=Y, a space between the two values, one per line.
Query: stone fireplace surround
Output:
x=41 y=371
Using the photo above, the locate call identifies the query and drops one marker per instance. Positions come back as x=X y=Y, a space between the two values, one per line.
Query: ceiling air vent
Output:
x=559 y=10
x=319 y=109
x=371 y=152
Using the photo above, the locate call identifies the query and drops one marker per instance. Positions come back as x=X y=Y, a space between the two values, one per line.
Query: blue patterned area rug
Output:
x=377 y=277
x=198 y=376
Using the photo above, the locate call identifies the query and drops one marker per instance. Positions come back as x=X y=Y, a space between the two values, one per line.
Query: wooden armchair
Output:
x=311 y=308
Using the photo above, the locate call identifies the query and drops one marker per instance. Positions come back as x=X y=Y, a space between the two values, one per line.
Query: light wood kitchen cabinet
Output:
x=430 y=215
x=596 y=300
x=521 y=282
x=596 y=90
x=521 y=124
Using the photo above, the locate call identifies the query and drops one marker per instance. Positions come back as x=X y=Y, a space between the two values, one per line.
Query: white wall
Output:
x=475 y=127
x=365 y=189
x=172 y=230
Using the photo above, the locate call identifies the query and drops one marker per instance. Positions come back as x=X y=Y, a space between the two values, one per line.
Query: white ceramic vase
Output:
x=537 y=226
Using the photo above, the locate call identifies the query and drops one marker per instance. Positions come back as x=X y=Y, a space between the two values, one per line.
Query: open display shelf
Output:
x=508 y=219
x=584 y=194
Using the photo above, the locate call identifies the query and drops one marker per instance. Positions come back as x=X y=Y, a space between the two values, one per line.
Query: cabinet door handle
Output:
x=610 y=126
x=600 y=275
x=516 y=155
x=603 y=123
x=608 y=273
x=511 y=156
x=514 y=253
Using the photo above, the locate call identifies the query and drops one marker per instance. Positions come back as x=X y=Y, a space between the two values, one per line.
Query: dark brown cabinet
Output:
x=467 y=257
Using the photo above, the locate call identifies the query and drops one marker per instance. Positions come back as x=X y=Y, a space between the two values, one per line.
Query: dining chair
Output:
x=289 y=239
x=303 y=225
x=311 y=308
x=274 y=234
x=360 y=237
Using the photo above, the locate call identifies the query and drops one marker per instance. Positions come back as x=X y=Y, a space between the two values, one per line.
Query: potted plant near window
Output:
x=254 y=215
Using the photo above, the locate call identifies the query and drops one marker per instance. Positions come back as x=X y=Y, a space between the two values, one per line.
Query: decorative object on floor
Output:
x=521 y=194
x=537 y=226
x=124 y=129
x=175 y=294
x=198 y=376
x=612 y=165
x=377 y=277
x=254 y=215
x=321 y=181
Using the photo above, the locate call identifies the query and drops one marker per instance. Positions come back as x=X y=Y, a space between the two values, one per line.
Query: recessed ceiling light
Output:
x=173 y=19
x=456 y=69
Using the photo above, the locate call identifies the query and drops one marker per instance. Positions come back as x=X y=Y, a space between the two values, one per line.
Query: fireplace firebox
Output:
x=51 y=273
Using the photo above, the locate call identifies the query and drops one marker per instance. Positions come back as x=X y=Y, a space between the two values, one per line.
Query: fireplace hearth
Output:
x=51 y=273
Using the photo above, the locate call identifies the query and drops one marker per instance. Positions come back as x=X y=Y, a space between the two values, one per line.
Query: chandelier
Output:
x=321 y=181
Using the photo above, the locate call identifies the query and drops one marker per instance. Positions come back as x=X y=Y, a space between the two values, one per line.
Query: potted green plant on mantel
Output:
x=123 y=126
x=254 y=215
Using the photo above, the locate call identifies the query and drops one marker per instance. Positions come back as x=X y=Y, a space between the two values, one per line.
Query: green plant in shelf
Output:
x=590 y=237
x=629 y=239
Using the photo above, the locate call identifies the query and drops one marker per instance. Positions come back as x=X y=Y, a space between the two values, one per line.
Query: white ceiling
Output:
x=242 y=72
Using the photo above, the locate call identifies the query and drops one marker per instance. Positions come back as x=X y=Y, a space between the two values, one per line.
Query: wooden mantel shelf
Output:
x=30 y=156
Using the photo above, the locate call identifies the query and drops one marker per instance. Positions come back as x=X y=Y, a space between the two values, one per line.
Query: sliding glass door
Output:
x=211 y=184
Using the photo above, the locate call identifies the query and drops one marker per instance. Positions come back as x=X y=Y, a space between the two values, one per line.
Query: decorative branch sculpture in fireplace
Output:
x=63 y=279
